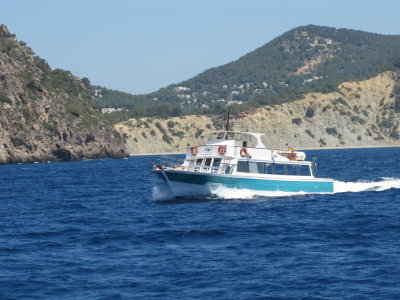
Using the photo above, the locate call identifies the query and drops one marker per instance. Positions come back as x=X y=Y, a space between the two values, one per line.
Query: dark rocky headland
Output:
x=48 y=115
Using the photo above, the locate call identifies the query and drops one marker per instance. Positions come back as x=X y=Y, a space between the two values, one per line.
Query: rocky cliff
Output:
x=48 y=115
x=358 y=114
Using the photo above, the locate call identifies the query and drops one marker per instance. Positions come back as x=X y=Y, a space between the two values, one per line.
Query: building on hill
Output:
x=181 y=89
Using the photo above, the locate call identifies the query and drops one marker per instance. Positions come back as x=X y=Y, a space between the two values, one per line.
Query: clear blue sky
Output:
x=140 y=46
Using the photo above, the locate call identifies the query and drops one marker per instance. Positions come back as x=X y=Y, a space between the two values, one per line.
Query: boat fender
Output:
x=243 y=152
x=227 y=169
x=221 y=150
x=194 y=150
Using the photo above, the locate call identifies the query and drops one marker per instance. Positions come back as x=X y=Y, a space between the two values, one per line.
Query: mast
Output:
x=229 y=103
x=227 y=120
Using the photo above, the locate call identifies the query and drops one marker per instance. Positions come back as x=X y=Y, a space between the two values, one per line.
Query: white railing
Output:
x=314 y=166
x=221 y=169
x=168 y=162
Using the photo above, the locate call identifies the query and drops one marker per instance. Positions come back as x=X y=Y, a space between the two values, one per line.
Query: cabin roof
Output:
x=237 y=136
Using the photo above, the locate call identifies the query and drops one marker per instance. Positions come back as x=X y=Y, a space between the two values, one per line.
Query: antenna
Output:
x=227 y=120
x=229 y=111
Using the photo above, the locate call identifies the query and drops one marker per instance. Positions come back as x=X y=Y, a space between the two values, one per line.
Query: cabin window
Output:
x=213 y=136
x=221 y=135
x=198 y=164
x=253 y=168
x=247 y=167
x=245 y=140
x=208 y=162
x=238 y=139
x=243 y=166
x=230 y=135
x=264 y=168
x=264 y=140
x=251 y=141
x=217 y=162
x=304 y=170
x=279 y=169
x=292 y=170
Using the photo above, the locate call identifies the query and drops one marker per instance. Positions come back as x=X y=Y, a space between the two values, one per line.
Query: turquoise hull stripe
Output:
x=252 y=184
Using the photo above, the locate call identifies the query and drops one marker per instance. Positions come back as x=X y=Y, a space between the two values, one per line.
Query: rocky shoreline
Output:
x=359 y=114
x=48 y=115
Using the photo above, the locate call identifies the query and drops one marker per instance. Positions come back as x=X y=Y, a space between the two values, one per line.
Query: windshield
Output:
x=247 y=140
x=213 y=136
x=264 y=140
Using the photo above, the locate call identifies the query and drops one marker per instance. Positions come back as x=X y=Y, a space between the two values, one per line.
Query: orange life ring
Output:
x=194 y=150
x=221 y=150
x=243 y=152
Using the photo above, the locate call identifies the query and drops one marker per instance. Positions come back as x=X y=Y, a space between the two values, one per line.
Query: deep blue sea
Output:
x=91 y=230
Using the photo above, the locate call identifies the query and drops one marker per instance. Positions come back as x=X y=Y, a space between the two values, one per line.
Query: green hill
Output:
x=304 y=59
x=332 y=55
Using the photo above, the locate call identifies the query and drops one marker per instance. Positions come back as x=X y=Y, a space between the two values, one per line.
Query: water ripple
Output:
x=91 y=230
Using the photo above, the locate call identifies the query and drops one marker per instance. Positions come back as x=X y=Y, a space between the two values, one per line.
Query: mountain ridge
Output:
x=305 y=59
x=51 y=115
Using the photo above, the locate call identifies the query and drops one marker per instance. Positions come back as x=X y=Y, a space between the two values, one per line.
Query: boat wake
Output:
x=233 y=193
x=161 y=190
x=162 y=193
x=380 y=184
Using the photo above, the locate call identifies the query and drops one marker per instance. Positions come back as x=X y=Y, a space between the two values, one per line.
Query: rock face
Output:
x=48 y=115
x=359 y=114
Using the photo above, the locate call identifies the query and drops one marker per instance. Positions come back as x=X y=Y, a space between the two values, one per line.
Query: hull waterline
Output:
x=196 y=184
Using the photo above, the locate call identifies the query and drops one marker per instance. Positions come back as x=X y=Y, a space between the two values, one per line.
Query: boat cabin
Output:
x=232 y=152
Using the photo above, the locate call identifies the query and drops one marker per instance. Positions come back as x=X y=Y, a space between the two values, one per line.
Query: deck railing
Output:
x=168 y=162
x=314 y=166
x=221 y=169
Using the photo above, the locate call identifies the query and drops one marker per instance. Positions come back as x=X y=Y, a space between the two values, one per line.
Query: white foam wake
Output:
x=233 y=193
x=161 y=191
x=381 y=184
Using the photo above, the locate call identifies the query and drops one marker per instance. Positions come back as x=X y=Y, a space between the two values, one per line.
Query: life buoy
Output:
x=221 y=150
x=194 y=150
x=243 y=152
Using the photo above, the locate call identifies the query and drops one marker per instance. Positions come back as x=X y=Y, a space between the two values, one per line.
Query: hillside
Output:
x=304 y=56
x=48 y=115
x=364 y=113
x=303 y=60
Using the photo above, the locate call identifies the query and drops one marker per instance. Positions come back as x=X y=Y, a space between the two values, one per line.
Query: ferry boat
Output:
x=240 y=160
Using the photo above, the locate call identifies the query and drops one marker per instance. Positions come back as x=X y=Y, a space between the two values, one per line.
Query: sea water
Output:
x=92 y=230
